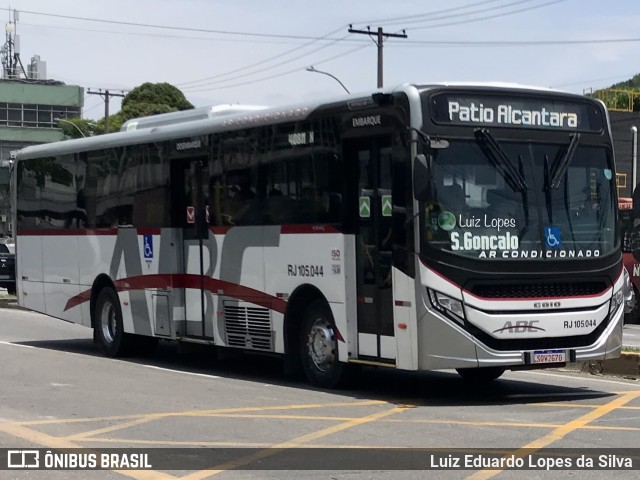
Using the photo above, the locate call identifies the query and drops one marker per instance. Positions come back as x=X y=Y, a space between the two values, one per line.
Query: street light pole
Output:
x=312 y=69
x=71 y=123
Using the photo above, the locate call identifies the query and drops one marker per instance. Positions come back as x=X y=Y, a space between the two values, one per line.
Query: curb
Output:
x=9 y=303
x=627 y=366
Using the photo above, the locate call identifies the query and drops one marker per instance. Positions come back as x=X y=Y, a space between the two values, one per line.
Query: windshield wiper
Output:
x=500 y=161
x=547 y=189
x=560 y=165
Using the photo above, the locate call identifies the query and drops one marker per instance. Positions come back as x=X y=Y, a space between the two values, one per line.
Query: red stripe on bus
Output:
x=219 y=230
x=284 y=229
x=186 y=280
x=67 y=233
x=287 y=229
x=89 y=232
x=149 y=231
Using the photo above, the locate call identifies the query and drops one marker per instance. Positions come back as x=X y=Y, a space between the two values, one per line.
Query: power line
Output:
x=315 y=62
x=515 y=43
x=244 y=75
x=438 y=15
x=106 y=96
x=379 y=40
x=295 y=70
x=488 y=17
x=388 y=21
x=267 y=60
x=184 y=37
x=169 y=27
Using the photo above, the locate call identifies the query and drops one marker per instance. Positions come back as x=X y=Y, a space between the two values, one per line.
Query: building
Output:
x=623 y=106
x=29 y=113
x=30 y=109
x=622 y=124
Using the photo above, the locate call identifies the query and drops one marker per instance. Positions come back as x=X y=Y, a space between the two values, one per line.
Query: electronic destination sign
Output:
x=514 y=112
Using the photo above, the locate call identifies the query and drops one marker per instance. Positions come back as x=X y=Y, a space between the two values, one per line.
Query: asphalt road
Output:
x=631 y=336
x=58 y=391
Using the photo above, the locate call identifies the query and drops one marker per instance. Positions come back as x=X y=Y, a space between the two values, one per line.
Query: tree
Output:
x=159 y=94
x=148 y=99
x=622 y=95
x=144 y=100
x=78 y=127
x=632 y=84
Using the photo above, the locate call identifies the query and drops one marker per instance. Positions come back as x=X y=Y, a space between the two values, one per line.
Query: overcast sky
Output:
x=256 y=51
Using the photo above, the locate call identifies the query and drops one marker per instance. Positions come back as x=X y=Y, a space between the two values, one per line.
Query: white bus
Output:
x=468 y=227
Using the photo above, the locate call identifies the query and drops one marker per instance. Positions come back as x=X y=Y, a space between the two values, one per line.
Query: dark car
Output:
x=7 y=269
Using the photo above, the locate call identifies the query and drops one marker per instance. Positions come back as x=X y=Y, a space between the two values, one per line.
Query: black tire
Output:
x=480 y=375
x=319 y=347
x=108 y=324
x=11 y=289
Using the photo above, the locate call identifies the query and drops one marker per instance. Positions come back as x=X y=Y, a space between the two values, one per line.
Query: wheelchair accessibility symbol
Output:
x=552 y=236
x=147 y=241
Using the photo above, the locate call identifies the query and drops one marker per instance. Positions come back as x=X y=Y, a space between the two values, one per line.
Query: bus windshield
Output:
x=520 y=200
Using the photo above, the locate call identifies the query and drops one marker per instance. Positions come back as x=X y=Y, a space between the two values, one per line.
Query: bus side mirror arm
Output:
x=421 y=175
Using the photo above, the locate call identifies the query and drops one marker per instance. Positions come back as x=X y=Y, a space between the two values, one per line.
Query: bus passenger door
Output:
x=374 y=240
x=191 y=211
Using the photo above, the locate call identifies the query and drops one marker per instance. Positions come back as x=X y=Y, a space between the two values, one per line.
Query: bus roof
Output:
x=500 y=85
x=205 y=120
x=187 y=116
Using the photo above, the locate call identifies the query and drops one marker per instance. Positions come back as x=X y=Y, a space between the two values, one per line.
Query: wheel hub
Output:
x=321 y=343
x=108 y=322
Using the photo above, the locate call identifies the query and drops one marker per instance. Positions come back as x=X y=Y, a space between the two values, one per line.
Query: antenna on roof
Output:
x=10 y=51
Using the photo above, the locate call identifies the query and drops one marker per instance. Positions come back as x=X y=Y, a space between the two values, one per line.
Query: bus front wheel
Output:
x=480 y=375
x=319 y=347
x=108 y=324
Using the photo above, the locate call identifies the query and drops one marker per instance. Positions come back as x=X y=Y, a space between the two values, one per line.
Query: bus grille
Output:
x=247 y=326
x=539 y=290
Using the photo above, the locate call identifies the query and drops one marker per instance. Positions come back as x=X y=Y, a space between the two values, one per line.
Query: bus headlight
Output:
x=616 y=301
x=446 y=305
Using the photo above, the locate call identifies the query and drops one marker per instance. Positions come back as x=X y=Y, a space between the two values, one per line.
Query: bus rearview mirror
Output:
x=438 y=144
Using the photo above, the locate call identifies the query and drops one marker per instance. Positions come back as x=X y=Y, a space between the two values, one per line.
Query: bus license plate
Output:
x=549 y=356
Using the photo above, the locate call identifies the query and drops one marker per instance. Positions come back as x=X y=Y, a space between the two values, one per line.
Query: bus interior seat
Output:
x=452 y=197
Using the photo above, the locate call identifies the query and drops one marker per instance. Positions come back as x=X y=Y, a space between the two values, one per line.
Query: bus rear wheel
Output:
x=108 y=324
x=480 y=375
x=319 y=347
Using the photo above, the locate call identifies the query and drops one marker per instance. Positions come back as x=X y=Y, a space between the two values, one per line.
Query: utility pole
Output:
x=106 y=95
x=380 y=39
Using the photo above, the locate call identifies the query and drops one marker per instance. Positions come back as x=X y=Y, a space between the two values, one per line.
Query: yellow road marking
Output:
x=113 y=428
x=296 y=442
x=562 y=431
x=56 y=442
x=203 y=413
x=572 y=405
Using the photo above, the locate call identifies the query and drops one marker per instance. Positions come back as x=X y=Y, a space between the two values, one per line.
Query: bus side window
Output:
x=239 y=201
